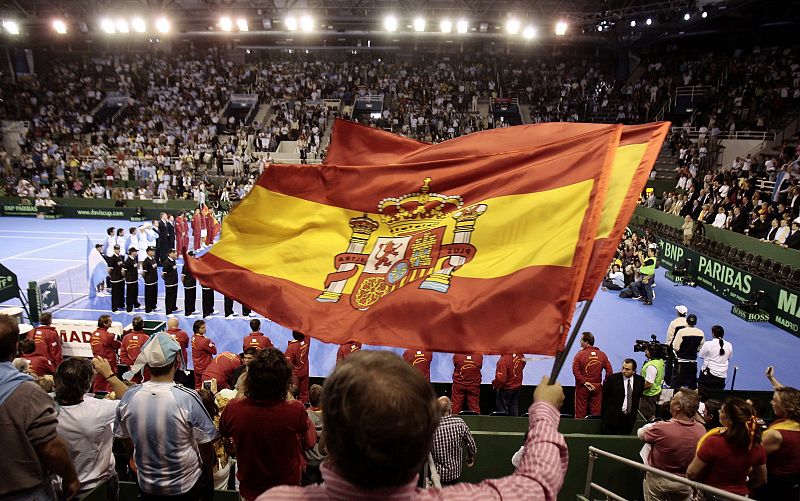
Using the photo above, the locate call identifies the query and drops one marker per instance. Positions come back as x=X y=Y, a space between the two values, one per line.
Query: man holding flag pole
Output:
x=96 y=267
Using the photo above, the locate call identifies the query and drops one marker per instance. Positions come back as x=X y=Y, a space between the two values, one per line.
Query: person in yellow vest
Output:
x=653 y=374
x=643 y=288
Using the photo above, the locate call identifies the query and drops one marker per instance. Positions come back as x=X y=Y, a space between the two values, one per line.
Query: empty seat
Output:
x=786 y=272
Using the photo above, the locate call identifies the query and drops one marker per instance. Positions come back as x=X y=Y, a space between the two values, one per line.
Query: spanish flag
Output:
x=478 y=244
x=633 y=161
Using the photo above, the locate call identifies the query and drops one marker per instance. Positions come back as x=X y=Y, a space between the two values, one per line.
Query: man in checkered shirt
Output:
x=449 y=439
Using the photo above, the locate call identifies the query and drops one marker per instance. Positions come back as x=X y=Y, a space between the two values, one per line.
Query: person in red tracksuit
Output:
x=256 y=339
x=508 y=382
x=347 y=349
x=467 y=382
x=203 y=351
x=222 y=369
x=131 y=346
x=48 y=342
x=181 y=234
x=198 y=225
x=38 y=364
x=105 y=345
x=420 y=360
x=587 y=367
x=180 y=336
x=297 y=355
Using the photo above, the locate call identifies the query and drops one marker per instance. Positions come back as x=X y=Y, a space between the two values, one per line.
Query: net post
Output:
x=562 y=355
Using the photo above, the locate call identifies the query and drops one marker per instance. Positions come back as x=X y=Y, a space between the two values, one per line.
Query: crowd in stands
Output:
x=758 y=196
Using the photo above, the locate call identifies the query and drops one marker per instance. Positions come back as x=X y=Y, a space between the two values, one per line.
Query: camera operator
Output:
x=643 y=288
x=653 y=374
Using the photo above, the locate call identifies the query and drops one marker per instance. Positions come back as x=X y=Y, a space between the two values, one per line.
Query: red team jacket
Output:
x=297 y=355
x=467 y=369
x=221 y=369
x=508 y=374
x=182 y=339
x=256 y=340
x=346 y=350
x=420 y=360
x=40 y=365
x=105 y=344
x=203 y=351
x=132 y=343
x=588 y=365
x=48 y=343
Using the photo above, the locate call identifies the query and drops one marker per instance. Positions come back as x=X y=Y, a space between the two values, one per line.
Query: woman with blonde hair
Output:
x=731 y=458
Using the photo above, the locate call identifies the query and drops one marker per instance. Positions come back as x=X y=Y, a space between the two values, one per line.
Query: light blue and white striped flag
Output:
x=96 y=267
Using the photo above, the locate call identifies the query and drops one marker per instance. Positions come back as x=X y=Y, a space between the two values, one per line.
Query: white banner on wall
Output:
x=76 y=335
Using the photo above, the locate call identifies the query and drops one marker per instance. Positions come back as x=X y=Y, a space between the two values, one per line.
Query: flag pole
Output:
x=562 y=355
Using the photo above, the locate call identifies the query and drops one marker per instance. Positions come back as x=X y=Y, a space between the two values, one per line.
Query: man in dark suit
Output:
x=170 y=274
x=162 y=244
x=116 y=275
x=170 y=233
x=131 y=267
x=150 y=275
x=621 y=394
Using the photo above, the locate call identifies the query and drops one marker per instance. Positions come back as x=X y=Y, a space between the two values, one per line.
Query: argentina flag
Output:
x=96 y=267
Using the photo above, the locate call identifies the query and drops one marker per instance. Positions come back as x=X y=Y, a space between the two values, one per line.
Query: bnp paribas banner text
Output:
x=735 y=285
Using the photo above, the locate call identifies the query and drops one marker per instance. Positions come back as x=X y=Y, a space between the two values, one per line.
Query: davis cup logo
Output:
x=413 y=253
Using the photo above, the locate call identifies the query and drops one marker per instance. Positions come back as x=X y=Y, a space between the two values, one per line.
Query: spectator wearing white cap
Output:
x=166 y=427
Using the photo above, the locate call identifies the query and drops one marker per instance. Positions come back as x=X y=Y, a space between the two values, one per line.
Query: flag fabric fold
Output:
x=96 y=267
x=478 y=244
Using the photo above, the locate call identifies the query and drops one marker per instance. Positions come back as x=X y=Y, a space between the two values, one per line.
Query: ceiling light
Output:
x=462 y=26
x=390 y=23
x=633 y=24
x=704 y=14
x=291 y=23
x=599 y=27
x=306 y=23
x=529 y=33
x=122 y=26
x=561 y=28
x=107 y=25
x=60 y=27
x=419 y=24
x=11 y=27
x=446 y=26
x=138 y=25
x=648 y=22
x=241 y=24
x=512 y=26
x=687 y=16
x=225 y=23
x=162 y=25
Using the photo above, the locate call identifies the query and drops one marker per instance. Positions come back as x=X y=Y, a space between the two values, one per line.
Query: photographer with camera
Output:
x=653 y=373
x=643 y=288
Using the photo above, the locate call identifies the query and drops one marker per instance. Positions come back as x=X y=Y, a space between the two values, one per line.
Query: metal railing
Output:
x=762 y=135
x=595 y=453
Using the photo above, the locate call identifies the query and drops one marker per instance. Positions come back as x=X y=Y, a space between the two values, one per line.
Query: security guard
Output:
x=131 y=267
x=189 y=289
x=170 y=274
x=115 y=274
x=150 y=275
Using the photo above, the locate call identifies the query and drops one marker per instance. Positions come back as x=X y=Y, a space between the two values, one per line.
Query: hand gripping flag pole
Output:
x=562 y=355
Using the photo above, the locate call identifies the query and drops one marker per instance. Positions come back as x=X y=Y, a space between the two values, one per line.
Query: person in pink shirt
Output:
x=380 y=416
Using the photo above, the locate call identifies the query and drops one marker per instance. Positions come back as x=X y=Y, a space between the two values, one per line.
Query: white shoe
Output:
x=156 y=309
x=230 y=317
x=251 y=314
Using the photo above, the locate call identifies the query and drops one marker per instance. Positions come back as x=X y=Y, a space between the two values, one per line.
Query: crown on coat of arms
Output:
x=418 y=211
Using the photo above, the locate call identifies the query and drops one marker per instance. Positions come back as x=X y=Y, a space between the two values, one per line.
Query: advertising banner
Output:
x=76 y=335
x=780 y=304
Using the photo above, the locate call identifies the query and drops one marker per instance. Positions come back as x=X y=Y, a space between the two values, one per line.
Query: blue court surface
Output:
x=35 y=249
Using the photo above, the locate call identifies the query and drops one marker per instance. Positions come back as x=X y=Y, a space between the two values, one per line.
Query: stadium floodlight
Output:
x=648 y=22
x=291 y=23
x=704 y=14
x=390 y=23
x=462 y=26
x=162 y=25
x=306 y=23
x=633 y=24
x=599 y=27
x=107 y=25
x=512 y=26
x=419 y=24
x=529 y=33
x=241 y=24
x=60 y=27
x=11 y=27
x=446 y=26
x=122 y=26
x=138 y=25
x=225 y=23
x=561 y=28
x=687 y=16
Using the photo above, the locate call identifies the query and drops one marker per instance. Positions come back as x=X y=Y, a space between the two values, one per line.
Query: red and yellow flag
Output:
x=479 y=244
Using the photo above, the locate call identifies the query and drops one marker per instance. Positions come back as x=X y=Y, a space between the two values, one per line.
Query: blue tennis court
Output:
x=35 y=249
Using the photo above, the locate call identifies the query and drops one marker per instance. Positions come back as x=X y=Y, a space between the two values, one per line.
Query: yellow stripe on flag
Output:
x=299 y=238
x=626 y=162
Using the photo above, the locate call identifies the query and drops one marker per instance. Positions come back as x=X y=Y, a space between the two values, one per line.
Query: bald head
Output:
x=172 y=323
x=445 y=406
x=9 y=335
